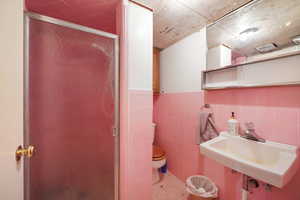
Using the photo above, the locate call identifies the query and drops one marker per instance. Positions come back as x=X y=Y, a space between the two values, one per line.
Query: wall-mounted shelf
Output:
x=278 y=71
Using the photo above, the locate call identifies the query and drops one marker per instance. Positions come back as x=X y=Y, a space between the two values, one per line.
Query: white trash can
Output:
x=201 y=188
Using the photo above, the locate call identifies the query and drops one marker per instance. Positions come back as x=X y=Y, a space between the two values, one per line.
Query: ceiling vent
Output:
x=296 y=39
x=267 y=48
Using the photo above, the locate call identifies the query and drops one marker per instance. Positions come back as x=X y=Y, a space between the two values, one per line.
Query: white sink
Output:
x=270 y=162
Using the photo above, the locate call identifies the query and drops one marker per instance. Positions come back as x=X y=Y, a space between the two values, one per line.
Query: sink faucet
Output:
x=250 y=133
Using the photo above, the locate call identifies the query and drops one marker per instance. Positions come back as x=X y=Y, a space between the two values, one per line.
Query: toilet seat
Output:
x=157 y=153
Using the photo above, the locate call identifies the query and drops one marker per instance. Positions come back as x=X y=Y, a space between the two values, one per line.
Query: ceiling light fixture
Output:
x=249 y=30
x=244 y=35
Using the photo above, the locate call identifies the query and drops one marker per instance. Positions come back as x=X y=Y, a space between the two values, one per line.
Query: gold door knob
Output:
x=28 y=152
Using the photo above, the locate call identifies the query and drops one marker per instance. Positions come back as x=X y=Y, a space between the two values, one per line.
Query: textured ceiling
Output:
x=99 y=14
x=175 y=19
x=277 y=22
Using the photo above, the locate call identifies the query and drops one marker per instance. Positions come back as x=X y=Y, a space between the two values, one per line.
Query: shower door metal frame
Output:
x=116 y=128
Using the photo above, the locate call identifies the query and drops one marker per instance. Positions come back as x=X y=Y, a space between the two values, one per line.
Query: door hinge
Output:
x=115 y=131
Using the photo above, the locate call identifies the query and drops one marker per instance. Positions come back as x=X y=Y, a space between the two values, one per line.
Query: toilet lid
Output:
x=157 y=153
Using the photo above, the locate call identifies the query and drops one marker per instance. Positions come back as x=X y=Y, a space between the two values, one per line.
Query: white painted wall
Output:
x=181 y=64
x=11 y=98
x=140 y=45
x=219 y=56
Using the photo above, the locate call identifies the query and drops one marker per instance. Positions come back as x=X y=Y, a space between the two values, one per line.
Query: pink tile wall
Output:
x=177 y=118
x=274 y=110
x=92 y=13
x=136 y=127
x=139 y=146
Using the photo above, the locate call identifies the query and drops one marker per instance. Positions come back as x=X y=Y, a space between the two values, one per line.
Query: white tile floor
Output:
x=169 y=188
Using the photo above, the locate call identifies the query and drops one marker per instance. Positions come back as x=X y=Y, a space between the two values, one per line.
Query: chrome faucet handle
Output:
x=249 y=126
x=250 y=133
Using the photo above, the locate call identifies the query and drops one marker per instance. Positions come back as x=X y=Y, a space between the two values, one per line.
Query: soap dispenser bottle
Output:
x=233 y=125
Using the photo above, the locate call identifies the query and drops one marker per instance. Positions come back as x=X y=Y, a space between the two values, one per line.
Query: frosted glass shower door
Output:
x=70 y=120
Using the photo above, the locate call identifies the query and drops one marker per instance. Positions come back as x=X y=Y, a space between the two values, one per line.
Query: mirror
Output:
x=260 y=30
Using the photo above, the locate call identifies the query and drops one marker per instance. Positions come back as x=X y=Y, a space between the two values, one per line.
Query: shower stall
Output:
x=71 y=111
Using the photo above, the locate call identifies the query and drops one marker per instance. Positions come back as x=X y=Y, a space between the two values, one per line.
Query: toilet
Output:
x=158 y=158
